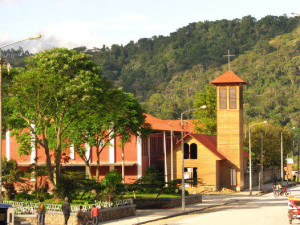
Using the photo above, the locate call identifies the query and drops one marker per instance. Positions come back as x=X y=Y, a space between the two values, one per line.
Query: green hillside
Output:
x=165 y=72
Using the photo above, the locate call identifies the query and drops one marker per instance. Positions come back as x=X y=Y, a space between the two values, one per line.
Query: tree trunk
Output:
x=98 y=168
x=98 y=164
x=123 y=165
x=58 y=158
x=48 y=164
x=88 y=169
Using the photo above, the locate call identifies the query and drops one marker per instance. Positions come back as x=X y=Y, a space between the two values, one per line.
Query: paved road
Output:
x=262 y=210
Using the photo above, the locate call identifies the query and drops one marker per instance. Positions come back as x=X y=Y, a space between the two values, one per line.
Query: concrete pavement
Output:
x=209 y=201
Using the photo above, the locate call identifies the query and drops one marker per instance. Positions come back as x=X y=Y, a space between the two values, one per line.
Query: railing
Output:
x=31 y=207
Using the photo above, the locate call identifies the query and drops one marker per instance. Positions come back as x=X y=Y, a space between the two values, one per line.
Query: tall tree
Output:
x=122 y=117
x=57 y=88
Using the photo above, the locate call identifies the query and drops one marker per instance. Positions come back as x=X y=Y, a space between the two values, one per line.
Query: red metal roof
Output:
x=159 y=124
x=228 y=77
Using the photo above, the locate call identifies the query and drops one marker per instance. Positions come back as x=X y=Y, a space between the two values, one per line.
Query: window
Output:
x=223 y=98
x=232 y=97
x=186 y=151
x=190 y=176
x=195 y=177
x=193 y=151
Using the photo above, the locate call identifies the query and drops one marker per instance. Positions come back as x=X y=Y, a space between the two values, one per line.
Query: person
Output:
x=274 y=180
x=95 y=214
x=41 y=211
x=81 y=217
x=66 y=208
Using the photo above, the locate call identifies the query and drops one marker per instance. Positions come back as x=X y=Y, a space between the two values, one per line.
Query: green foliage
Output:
x=10 y=174
x=151 y=182
x=271 y=144
x=69 y=185
x=57 y=88
x=206 y=118
x=113 y=186
x=147 y=66
x=166 y=72
x=24 y=196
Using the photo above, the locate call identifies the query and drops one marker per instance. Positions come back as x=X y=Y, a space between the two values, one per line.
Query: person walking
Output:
x=66 y=208
x=95 y=214
x=41 y=211
x=274 y=180
x=81 y=217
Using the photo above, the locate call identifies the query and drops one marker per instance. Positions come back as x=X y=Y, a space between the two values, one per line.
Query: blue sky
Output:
x=93 y=23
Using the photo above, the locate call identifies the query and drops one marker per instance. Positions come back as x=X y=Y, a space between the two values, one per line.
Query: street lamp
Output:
x=250 y=157
x=182 y=161
x=281 y=153
x=35 y=37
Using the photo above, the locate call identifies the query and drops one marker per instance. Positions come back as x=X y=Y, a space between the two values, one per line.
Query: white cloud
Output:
x=67 y=34
x=4 y=37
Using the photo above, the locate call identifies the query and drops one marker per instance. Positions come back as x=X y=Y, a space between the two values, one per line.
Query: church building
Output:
x=218 y=160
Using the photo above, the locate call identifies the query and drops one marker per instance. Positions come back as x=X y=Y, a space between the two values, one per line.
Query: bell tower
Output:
x=230 y=129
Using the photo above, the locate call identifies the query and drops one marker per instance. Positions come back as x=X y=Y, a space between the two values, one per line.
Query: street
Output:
x=259 y=210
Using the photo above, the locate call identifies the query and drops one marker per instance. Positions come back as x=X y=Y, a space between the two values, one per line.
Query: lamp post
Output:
x=182 y=161
x=281 y=152
x=250 y=157
x=35 y=37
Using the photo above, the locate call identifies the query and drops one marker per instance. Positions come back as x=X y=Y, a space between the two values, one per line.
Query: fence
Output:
x=268 y=177
x=31 y=207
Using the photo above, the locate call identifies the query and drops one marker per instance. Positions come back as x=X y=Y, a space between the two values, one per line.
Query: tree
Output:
x=122 y=117
x=206 y=119
x=57 y=88
x=271 y=144
x=129 y=121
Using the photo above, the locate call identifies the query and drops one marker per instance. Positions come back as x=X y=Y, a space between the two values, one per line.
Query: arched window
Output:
x=193 y=152
x=186 y=151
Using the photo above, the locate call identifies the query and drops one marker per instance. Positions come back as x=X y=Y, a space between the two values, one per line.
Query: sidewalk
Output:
x=208 y=201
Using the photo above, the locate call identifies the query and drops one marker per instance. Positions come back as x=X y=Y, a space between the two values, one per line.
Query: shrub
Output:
x=113 y=186
x=69 y=185
x=24 y=196
x=152 y=182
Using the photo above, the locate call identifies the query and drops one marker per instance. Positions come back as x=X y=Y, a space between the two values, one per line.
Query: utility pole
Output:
x=261 y=174
x=298 y=162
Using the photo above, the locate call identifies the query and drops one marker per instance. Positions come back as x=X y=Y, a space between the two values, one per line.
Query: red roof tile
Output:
x=159 y=124
x=228 y=77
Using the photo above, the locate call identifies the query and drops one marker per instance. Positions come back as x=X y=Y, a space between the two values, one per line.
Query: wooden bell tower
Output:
x=230 y=129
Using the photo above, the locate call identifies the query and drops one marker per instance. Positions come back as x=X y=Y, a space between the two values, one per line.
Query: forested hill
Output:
x=165 y=72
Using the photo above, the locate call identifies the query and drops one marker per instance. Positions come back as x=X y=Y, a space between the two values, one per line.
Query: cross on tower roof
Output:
x=228 y=55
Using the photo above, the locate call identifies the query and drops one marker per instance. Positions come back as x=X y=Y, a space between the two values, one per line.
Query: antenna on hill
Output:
x=228 y=55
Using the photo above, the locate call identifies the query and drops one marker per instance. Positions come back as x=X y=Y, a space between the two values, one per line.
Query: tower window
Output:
x=232 y=97
x=193 y=151
x=223 y=98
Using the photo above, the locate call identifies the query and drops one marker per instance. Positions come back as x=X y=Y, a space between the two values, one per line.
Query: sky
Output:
x=94 y=23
